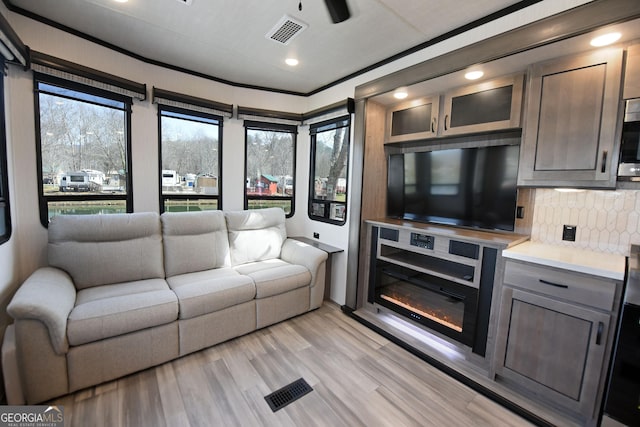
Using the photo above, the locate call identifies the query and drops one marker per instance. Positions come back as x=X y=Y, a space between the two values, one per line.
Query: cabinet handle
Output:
x=433 y=125
x=557 y=285
x=603 y=168
x=599 y=334
x=445 y=121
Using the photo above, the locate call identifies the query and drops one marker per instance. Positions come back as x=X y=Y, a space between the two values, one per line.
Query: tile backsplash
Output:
x=607 y=221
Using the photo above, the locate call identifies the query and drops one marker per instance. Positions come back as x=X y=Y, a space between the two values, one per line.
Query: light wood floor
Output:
x=359 y=379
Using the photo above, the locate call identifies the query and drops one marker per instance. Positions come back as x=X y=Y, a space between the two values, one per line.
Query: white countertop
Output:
x=582 y=261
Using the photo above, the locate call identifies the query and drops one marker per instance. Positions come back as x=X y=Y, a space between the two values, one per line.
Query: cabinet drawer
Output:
x=570 y=286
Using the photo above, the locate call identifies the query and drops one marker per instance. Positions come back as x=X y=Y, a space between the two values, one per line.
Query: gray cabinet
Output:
x=411 y=120
x=491 y=105
x=555 y=333
x=632 y=73
x=571 y=133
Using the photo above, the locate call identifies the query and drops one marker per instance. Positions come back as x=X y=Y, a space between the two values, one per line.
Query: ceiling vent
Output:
x=286 y=30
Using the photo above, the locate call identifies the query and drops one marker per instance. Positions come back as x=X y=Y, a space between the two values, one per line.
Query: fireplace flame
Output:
x=434 y=315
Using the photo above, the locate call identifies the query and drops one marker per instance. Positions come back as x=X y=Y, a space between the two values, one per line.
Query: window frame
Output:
x=195 y=114
x=325 y=126
x=271 y=127
x=43 y=200
x=4 y=172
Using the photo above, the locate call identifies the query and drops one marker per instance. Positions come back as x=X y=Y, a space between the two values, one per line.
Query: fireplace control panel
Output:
x=422 y=240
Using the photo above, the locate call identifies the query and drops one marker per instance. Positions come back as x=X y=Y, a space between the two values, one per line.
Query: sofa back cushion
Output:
x=103 y=249
x=256 y=234
x=194 y=241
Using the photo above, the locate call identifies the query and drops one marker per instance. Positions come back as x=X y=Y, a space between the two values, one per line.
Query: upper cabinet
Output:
x=411 y=120
x=486 y=106
x=632 y=73
x=571 y=127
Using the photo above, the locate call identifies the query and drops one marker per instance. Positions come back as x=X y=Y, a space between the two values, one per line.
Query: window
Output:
x=5 y=217
x=190 y=145
x=84 y=149
x=329 y=170
x=270 y=165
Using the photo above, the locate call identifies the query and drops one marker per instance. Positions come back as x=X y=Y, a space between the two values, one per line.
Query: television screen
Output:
x=470 y=187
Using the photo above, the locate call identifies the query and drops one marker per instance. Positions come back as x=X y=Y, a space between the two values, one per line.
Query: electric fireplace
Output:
x=440 y=281
x=442 y=305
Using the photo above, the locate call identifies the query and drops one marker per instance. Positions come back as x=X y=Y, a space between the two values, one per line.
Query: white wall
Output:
x=26 y=249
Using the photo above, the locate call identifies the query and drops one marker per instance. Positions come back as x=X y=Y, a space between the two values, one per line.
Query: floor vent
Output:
x=287 y=394
x=286 y=30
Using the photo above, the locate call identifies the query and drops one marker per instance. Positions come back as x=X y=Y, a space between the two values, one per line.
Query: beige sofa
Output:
x=126 y=292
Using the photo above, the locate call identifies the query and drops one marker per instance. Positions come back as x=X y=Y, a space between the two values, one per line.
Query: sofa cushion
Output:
x=99 y=250
x=208 y=291
x=255 y=235
x=274 y=276
x=111 y=310
x=194 y=241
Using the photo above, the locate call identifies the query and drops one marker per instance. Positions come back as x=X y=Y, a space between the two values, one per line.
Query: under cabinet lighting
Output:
x=426 y=338
x=605 y=39
x=569 y=190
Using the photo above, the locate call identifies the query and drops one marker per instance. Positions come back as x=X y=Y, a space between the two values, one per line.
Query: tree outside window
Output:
x=329 y=170
x=270 y=166
x=83 y=151
x=190 y=168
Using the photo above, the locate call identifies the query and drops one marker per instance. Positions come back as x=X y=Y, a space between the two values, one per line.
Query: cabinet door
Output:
x=553 y=348
x=632 y=73
x=486 y=106
x=572 y=131
x=412 y=120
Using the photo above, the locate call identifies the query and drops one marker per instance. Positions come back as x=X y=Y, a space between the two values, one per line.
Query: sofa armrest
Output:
x=48 y=295
x=314 y=259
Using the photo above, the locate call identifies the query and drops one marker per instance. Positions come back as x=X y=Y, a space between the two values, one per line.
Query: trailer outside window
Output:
x=190 y=153
x=84 y=147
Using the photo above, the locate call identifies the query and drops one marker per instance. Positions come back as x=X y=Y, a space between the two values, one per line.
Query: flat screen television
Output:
x=470 y=187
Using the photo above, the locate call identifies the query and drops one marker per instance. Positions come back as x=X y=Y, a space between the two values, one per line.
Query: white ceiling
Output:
x=225 y=39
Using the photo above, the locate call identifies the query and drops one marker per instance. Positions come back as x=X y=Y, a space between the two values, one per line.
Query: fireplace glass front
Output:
x=442 y=305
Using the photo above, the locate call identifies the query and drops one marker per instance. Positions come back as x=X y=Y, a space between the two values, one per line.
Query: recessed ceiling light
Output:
x=473 y=75
x=121 y=1
x=605 y=39
x=400 y=93
x=292 y=62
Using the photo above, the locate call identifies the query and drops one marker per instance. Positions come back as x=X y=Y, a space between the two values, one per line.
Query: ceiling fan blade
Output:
x=338 y=9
